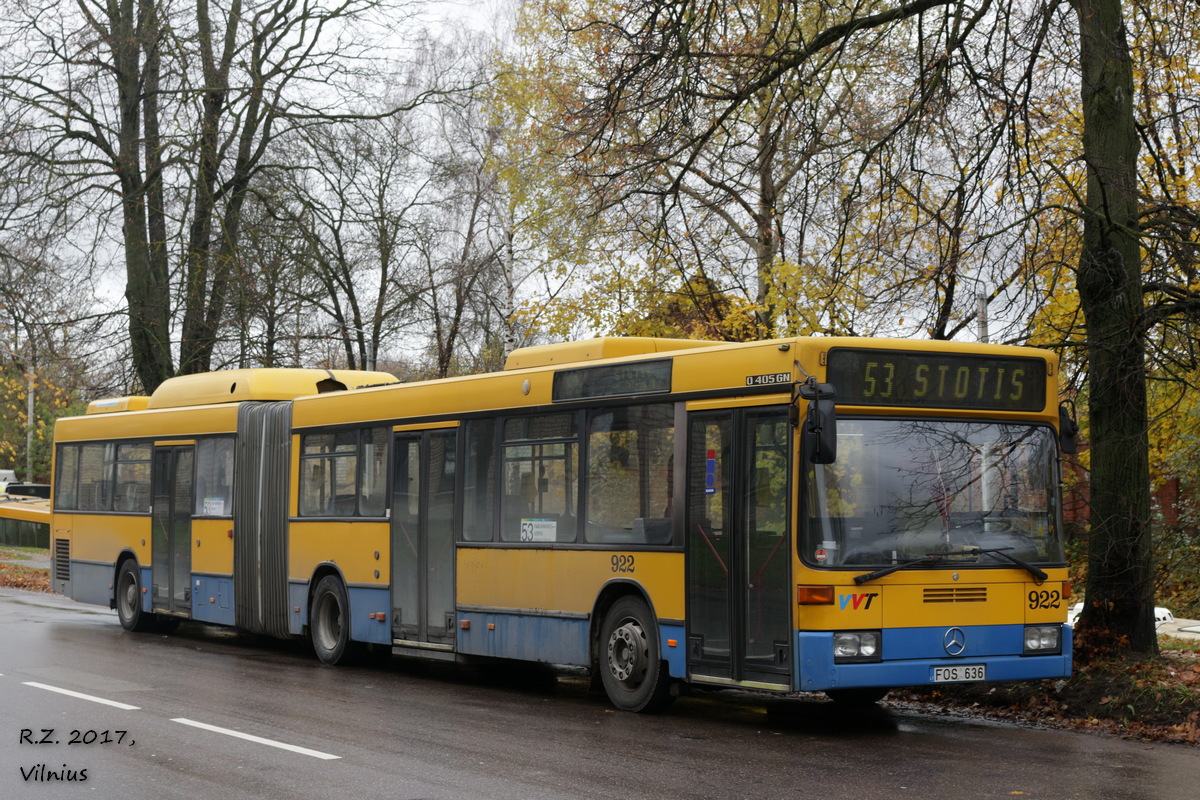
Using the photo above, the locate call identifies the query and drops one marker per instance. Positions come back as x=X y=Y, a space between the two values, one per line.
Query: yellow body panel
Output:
x=359 y=549
x=212 y=546
x=449 y=397
x=565 y=580
x=733 y=366
x=916 y=599
x=425 y=426
x=107 y=536
x=738 y=402
x=174 y=423
x=294 y=476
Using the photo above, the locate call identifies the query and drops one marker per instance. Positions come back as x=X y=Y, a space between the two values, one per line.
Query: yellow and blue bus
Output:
x=828 y=514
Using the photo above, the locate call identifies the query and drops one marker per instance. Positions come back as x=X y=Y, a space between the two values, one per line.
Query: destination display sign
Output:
x=616 y=380
x=937 y=380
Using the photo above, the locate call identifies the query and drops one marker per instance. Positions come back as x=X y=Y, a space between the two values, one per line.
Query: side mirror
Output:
x=1068 y=428
x=819 y=436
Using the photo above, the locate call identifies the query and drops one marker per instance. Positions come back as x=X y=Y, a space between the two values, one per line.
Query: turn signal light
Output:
x=814 y=595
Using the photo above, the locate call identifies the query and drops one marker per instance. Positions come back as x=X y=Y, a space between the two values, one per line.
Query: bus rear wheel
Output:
x=329 y=622
x=129 y=598
x=631 y=667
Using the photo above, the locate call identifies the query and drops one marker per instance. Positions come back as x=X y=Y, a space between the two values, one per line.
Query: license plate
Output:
x=961 y=673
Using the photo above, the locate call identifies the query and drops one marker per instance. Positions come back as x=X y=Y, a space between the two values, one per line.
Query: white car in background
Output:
x=1161 y=615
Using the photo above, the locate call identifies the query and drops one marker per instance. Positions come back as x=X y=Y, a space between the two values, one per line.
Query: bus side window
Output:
x=629 y=474
x=133 y=478
x=214 y=470
x=67 y=480
x=372 y=494
x=479 y=478
x=541 y=479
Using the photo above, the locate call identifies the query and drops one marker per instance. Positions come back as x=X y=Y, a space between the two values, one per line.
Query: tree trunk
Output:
x=767 y=224
x=203 y=266
x=135 y=26
x=1119 y=604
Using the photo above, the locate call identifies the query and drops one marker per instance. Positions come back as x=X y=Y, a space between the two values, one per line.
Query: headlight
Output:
x=857 y=646
x=1042 y=639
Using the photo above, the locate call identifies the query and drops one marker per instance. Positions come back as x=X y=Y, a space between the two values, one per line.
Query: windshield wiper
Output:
x=934 y=558
x=1025 y=565
x=930 y=558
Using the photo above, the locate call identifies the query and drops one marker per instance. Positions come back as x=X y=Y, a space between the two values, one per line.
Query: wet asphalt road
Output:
x=404 y=731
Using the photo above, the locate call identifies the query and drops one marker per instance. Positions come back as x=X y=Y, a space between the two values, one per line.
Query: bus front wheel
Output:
x=329 y=622
x=129 y=598
x=631 y=667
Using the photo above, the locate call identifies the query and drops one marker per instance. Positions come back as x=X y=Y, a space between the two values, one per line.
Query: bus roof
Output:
x=27 y=509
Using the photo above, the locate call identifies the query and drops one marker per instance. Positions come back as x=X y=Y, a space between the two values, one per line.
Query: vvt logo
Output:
x=856 y=601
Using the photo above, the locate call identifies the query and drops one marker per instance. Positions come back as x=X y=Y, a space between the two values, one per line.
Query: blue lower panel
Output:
x=365 y=601
x=673 y=655
x=369 y=613
x=212 y=598
x=147 y=581
x=552 y=640
x=910 y=654
x=92 y=583
x=297 y=607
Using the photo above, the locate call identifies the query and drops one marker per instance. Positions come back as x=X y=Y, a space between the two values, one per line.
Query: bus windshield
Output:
x=963 y=492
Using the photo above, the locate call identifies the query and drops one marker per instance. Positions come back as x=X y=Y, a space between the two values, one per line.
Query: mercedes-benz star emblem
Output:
x=955 y=641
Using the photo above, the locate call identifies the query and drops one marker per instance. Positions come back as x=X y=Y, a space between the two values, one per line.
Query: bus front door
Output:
x=423 y=609
x=171 y=521
x=738 y=552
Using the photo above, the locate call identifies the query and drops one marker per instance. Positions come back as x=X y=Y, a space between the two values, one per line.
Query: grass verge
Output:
x=17 y=575
x=1153 y=699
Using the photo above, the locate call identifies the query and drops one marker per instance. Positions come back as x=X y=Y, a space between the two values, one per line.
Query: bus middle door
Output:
x=171 y=521
x=423 y=551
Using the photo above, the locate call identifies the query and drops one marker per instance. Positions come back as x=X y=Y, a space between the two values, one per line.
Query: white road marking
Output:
x=82 y=696
x=248 y=737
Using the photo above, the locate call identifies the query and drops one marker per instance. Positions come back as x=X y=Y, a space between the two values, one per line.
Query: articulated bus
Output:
x=812 y=514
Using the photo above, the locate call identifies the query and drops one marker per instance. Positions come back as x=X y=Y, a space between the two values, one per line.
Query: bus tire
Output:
x=129 y=598
x=329 y=622
x=631 y=667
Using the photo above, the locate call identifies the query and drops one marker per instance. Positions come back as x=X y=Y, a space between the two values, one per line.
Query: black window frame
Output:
x=109 y=492
x=339 y=506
